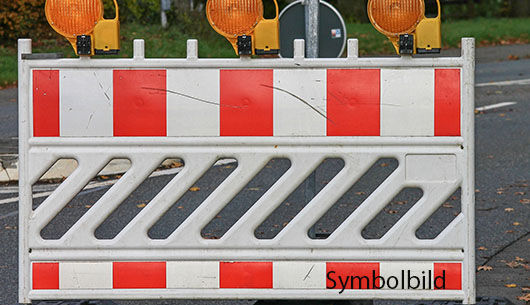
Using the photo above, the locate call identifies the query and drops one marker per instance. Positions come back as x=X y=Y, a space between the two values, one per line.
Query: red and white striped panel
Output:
x=246 y=275
x=213 y=102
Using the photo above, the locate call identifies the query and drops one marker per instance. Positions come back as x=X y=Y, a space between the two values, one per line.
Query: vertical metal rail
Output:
x=24 y=187
x=468 y=189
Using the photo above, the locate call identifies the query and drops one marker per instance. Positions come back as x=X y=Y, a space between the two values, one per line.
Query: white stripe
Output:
x=85 y=275
x=86 y=107
x=193 y=102
x=419 y=274
x=299 y=275
x=506 y=83
x=407 y=102
x=495 y=106
x=192 y=275
x=292 y=90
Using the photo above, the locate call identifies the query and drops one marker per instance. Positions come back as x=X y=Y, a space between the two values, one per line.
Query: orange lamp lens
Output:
x=73 y=17
x=394 y=17
x=234 y=17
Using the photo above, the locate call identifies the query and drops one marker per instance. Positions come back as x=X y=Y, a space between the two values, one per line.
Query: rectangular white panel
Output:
x=86 y=102
x=431 y=168
x=299 y=275
x=85 y=275
x=192 y=275
x=193 y=102
x=407 y=275
x=407 y=102
x=300 y=100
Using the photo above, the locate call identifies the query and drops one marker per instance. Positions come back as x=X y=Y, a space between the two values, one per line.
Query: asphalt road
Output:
x=502 y=202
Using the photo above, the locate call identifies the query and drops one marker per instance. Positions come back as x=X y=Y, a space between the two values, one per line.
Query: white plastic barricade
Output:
x=416 y=110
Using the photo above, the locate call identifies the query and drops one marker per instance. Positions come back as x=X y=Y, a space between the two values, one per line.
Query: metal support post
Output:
x=312 y=21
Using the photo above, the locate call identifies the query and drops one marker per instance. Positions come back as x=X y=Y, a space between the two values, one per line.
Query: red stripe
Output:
x=354 y=107
x=139 y=275
x=140 y=103
x=355 y=275
x=246 y=275
x=447 y=102
x=45 y=275
x=46 y=103
x=246 y=103
x=448 y=276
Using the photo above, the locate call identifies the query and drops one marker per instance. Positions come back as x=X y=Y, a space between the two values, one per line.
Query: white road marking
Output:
x=93 y=185
x=505 y=83
x=495 y=106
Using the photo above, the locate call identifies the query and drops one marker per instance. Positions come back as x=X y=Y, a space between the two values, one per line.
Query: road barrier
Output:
x=419 y=111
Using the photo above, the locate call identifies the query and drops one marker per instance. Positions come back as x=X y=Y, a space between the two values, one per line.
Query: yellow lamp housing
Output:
x=243 y=25
x=82 y=23
x=406 y=25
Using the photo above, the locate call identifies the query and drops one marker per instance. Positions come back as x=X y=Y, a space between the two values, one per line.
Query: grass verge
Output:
x=171 y=43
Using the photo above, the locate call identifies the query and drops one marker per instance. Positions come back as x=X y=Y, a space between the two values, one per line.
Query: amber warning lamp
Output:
x=413 y=26
x=82 y=23
x=243 y=24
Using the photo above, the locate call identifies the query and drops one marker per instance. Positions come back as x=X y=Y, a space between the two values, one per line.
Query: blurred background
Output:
x=492 y=22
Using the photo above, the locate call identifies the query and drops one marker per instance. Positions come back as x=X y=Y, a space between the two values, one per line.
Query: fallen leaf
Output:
x=519 y=259
x=448 y=206
x=525 y=298
x=180 y=207
x=254 y=189
x=141 y=205
x=513 y=265
x=88 y=206
x=520 y=193
x=509 y=209
x=384 y=164
x=195 y=189
x=509 y=231
x=500 y=192
x=482 y=248
x=516 y=223
x=402 y=202
x=524 y=201
x=525 y=288
x=513 y=57
x=477 y=191
x=490 y=157
x=285 y=224
x=392 y=212
x=104 y=177
x=360 y=193
x=485 y=268
x=510 y=285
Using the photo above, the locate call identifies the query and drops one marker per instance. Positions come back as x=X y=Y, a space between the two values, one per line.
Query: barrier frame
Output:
x=30 y=250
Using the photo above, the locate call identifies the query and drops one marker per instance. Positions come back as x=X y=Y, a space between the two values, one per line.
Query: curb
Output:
x=8 y=168
x=64 y=167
